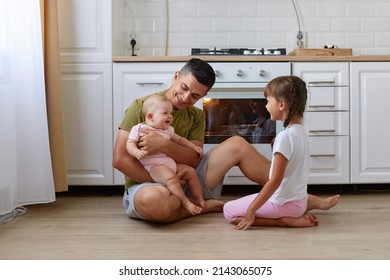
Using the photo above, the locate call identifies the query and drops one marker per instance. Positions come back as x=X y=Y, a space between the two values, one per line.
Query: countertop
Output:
x=253 y=58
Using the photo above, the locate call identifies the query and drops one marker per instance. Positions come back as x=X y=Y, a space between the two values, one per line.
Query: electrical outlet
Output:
x=301 y=39
x=129 y=37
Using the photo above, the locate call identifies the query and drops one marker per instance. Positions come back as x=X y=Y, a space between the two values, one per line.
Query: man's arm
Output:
x=152 y=142
x=187 y=143
x=127 y=164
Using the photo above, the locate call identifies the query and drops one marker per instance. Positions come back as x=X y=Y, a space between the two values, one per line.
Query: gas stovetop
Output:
x=238 y=51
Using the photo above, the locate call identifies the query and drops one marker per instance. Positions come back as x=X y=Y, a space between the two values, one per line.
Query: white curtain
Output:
x=25 y=165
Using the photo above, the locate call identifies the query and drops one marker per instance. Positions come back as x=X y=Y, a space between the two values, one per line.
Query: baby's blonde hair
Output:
x=153 y=102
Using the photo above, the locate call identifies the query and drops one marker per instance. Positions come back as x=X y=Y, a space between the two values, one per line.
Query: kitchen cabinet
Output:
x=344 y=116
x=87 y=103
x=135 y=80
x=327 y=119
x=370 y=137
x=86 y=65
x=85 y=31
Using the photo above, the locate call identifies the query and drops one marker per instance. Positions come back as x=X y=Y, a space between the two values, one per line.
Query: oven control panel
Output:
x=251 y=72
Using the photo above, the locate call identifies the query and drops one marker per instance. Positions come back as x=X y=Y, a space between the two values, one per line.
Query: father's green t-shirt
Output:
x=189 y=123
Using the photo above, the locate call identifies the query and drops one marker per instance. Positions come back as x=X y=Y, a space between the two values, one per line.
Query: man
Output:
x=144 y=199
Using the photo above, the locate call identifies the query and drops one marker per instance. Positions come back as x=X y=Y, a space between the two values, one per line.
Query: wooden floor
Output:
x=93 y=226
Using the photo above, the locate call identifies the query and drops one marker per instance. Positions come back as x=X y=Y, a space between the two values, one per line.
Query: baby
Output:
x=157 y=110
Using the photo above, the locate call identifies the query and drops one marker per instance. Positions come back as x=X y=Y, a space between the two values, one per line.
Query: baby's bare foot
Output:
x=192 y=208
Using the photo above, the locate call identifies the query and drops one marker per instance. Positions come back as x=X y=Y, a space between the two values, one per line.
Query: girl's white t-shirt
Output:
x=293 y=144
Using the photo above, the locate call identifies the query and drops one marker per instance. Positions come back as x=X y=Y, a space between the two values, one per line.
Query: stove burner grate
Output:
x=238 y=51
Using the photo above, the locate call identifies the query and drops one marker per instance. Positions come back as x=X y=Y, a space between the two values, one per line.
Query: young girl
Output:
x=285 y=193
x=157 y=110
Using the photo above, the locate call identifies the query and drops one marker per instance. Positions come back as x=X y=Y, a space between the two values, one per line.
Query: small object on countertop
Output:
x=132 y=43
x=336 y=51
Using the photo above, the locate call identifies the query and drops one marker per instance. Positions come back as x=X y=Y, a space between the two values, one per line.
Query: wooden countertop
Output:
x=230 y=58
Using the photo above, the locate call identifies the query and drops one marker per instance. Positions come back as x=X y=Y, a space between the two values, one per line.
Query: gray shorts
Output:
x=215 y=193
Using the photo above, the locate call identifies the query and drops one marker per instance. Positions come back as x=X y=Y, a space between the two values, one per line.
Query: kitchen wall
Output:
x=173 y=27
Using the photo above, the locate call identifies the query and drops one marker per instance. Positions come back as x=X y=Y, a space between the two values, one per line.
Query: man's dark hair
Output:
x=201 y=70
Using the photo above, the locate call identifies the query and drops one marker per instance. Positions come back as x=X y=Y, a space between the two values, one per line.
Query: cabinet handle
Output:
x=321 y=82
x=322 y=106
x=323 y=130
x=323 y=155
x=149 y=83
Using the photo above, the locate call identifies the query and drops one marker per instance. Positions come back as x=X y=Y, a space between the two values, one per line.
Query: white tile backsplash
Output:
x=382 y=9
x=360 y=9
x=377 y=25
x=358 y=24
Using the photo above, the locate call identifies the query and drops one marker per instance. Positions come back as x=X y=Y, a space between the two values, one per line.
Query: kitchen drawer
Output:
x=322 y=74
x=329 y=160
x=328 y=99
x=327 y=123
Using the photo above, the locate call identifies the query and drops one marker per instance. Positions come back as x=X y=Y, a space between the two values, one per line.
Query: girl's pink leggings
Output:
x=237 y=208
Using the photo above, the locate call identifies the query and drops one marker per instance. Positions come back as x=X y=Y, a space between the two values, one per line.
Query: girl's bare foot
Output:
x=330 y=202
x=315 y=202
x=307 y=220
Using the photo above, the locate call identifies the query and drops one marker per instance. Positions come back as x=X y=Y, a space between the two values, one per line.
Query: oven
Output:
x=236 y=106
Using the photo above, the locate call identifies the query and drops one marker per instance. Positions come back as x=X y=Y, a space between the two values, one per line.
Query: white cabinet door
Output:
x=327 y=119
x=370 y=132
x=135 y=80
x=85 y=33
x=85 y=30
x=87 y=98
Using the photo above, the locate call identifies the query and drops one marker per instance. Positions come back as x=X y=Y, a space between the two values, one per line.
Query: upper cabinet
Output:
x=85 y=31
x=370 y=135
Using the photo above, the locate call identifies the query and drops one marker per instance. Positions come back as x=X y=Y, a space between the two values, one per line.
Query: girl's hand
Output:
x=246 y=222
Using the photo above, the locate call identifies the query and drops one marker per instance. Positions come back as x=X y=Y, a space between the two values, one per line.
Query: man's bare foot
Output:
x=307 y=220
x=315 y=202
x=192 y=208
x=213 y=205
x=200 y=202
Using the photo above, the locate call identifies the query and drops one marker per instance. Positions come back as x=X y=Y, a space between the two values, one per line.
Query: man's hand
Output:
x=152 y=142
x=199 y=150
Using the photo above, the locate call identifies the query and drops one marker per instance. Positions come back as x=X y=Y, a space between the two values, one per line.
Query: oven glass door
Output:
x=238 y=109
x=247 y=118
